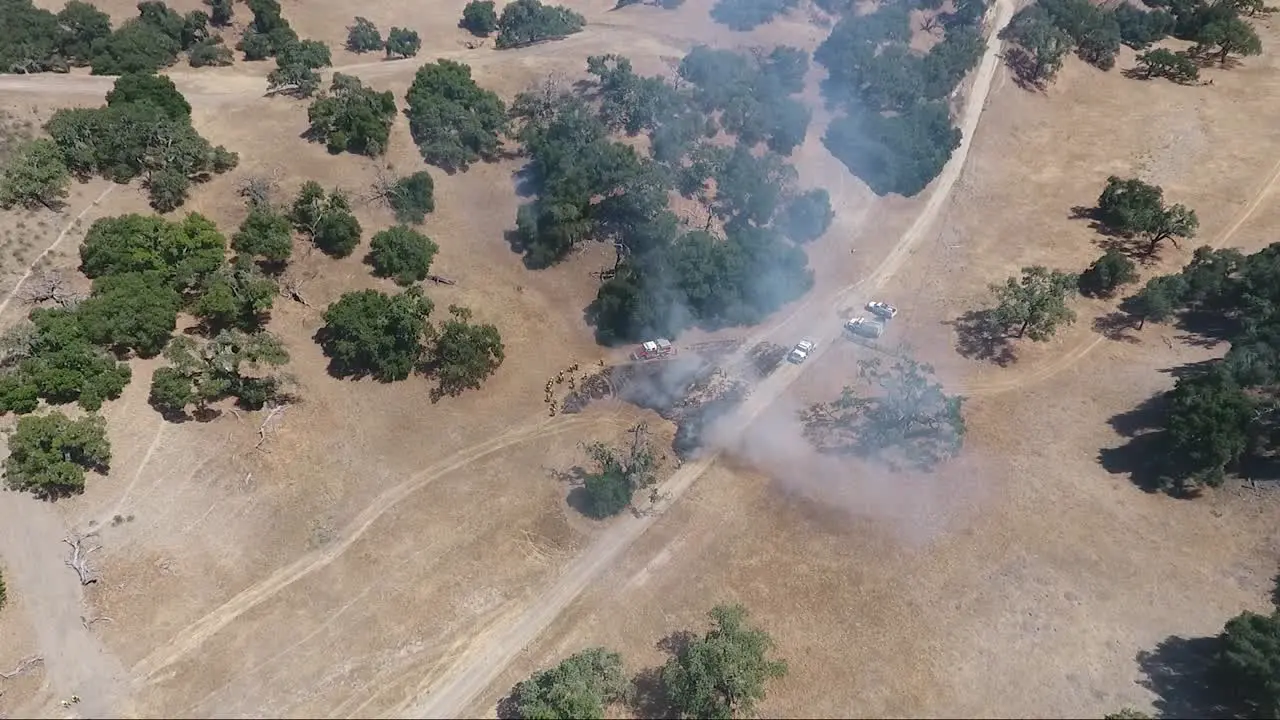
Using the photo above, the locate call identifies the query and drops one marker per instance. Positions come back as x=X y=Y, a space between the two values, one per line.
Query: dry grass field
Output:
x=377 y=542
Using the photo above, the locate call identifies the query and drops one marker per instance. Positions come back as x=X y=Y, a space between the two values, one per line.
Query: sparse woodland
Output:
x=1044 y=33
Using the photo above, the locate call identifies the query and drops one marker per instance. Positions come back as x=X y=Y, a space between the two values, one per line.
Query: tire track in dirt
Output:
x=490 y=654
x=26 y=275
x=1070 y=358
x=195 y=634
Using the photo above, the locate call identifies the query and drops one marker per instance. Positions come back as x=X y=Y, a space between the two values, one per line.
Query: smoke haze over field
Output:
x=913 y=507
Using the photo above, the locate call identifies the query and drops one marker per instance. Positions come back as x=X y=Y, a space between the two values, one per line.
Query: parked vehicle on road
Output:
x=801 y=351
x=654 y=350
x=865 y=327
x=884 y=311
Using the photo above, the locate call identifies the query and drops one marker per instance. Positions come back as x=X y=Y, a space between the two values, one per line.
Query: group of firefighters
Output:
x=559 y=379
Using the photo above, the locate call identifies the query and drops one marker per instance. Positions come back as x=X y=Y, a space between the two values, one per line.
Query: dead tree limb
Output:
x=268 y=424
x=79 y=560
x=23 y=665
x=382 y=190
x=86 y=622
x=441 y=280
x=291 y=286
x=259 y=190
x=49 y=285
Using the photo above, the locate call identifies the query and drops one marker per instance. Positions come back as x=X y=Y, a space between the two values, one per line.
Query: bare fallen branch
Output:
x=49 y=285
x=259 y=190
x=441 y=280
x=291 y=286
x=86 y=622
x=23 y=665
x=79 y=560
x=268 y=424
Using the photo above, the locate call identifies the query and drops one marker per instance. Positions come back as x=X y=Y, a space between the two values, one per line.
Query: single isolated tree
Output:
x=479 y=18
x=724 y=673
x=402 y=253
x=403 y=43
x=49 y=454
x=525 y=22
x=463 y=354
x=230 y=364
x=579 y=688
x=1036 y=303
x=35 y=176
x=1107 y=274
x=363 y=36
x=1132 y=207
x=368 y=333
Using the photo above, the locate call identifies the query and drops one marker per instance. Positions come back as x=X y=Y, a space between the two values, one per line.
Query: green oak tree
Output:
x=1035 y=304
x=403 y=254
x=724 y=673
x=368 y=333
x=579 y=688
x=49 y=454
x=463 y=354
x=363 y=36
x=35 y=176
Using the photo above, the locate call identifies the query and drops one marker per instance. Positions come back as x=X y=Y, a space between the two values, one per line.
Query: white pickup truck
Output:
x=801 y=351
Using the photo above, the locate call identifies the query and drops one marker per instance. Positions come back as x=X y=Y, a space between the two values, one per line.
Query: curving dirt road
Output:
x=453 y=694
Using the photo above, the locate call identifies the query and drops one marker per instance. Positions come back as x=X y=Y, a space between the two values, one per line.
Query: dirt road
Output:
x=454 y=694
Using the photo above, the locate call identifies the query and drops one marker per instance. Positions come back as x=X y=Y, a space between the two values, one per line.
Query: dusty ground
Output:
x=1022 y=579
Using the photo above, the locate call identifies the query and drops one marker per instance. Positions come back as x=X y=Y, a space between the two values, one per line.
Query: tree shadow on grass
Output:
x=509 y=706
x=649 y=699
x=1141 y=456
x=979 y=337
x=577 y=498
x=1180 y=671
x=1131 y=246
x=1117 y=325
